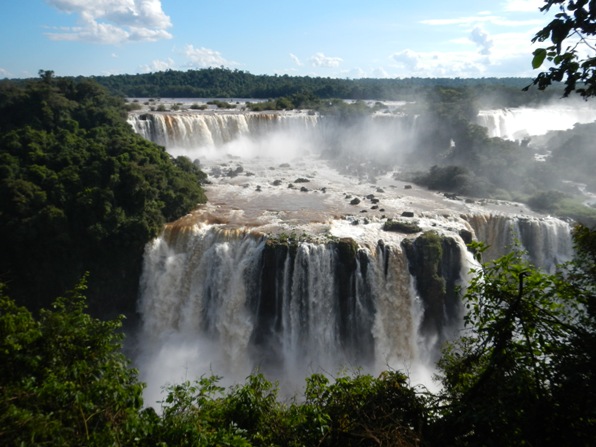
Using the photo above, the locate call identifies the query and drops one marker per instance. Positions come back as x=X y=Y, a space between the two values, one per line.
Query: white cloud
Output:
x=492 y=19
x=205 y=57
x=113 y=21
x=320 y=60
x=158 y=65
x=407 y=59
x=523 y=5
x=482 y=40
x=430 y=64
x=295 y=59
x=4 y=73
x=380 y=73
x=461 y=21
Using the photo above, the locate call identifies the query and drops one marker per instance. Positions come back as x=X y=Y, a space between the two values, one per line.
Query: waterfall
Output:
x=222 y=292
x=230 y=302
x=194 y=129
x=546 y=240
x=523 y=122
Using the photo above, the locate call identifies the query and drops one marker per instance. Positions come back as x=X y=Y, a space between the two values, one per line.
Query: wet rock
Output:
x=301 y=180
x=355 y=201
x=276 y=182
x=401 y=227
x=304 y=189
x=466 y=236
x=407 y=214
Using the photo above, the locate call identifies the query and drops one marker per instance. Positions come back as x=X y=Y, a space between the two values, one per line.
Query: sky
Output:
x=328 y=38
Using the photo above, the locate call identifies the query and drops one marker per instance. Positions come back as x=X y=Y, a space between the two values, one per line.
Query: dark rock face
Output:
x=433 y=260
x=355 y=309
x=435 y=263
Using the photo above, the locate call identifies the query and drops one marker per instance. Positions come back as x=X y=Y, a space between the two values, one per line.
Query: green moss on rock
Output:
x=401 y=227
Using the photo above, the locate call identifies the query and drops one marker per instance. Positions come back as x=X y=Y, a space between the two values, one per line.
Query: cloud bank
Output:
x=320 y=60
x=113 y=21
x=205 y=57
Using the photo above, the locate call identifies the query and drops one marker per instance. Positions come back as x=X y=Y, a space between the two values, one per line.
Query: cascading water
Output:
x=200 y=130
x=230 y=302
x=546 y=240
x=523 y=122
x=292 y=279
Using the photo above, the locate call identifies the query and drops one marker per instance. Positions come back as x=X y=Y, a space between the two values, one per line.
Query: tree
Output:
x=80 y=191
x=63 y=377
x=572 y=54
x=523 y=372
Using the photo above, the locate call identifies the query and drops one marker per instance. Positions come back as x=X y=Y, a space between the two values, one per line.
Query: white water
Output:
x=523 y=122
x=202 y=288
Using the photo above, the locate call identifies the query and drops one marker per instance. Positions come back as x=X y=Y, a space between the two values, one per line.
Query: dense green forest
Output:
x=79 y=191
x=226 y=83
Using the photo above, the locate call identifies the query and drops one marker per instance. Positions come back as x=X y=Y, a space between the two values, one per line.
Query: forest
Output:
x=81 y=195
x=81 y=192
x=225 y=83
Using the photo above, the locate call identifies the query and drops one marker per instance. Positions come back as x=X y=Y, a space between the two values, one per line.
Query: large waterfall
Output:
x=290 y=269
x=200 y=130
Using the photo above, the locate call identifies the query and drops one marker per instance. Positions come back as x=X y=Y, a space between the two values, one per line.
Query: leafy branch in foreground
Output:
x=508 y=379
x=575 y=63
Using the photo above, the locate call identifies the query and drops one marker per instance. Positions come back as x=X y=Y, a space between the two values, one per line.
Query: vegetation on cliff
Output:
x=80 y=191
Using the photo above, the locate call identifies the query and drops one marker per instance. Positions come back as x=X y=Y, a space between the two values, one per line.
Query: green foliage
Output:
x=221 y=104
x=505 y=381
x=363 y=410
x=225 y=83
x=79 y=191
x=192 y=416
x=398 y=226
x=63 y=379
x=569 y=34
x=445 y=178
x=522 y=374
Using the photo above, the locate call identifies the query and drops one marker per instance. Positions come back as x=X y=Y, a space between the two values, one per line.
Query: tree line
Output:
x=225 y=83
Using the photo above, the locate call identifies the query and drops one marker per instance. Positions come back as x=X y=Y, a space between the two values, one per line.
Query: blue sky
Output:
x=335 y=38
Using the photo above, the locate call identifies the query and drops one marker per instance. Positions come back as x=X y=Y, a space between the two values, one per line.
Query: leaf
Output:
x=539 y=56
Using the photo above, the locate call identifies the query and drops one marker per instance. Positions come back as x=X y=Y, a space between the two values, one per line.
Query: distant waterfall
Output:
x=195 y=129
x=523 y=122
x=547 y=240
x=245 y=302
